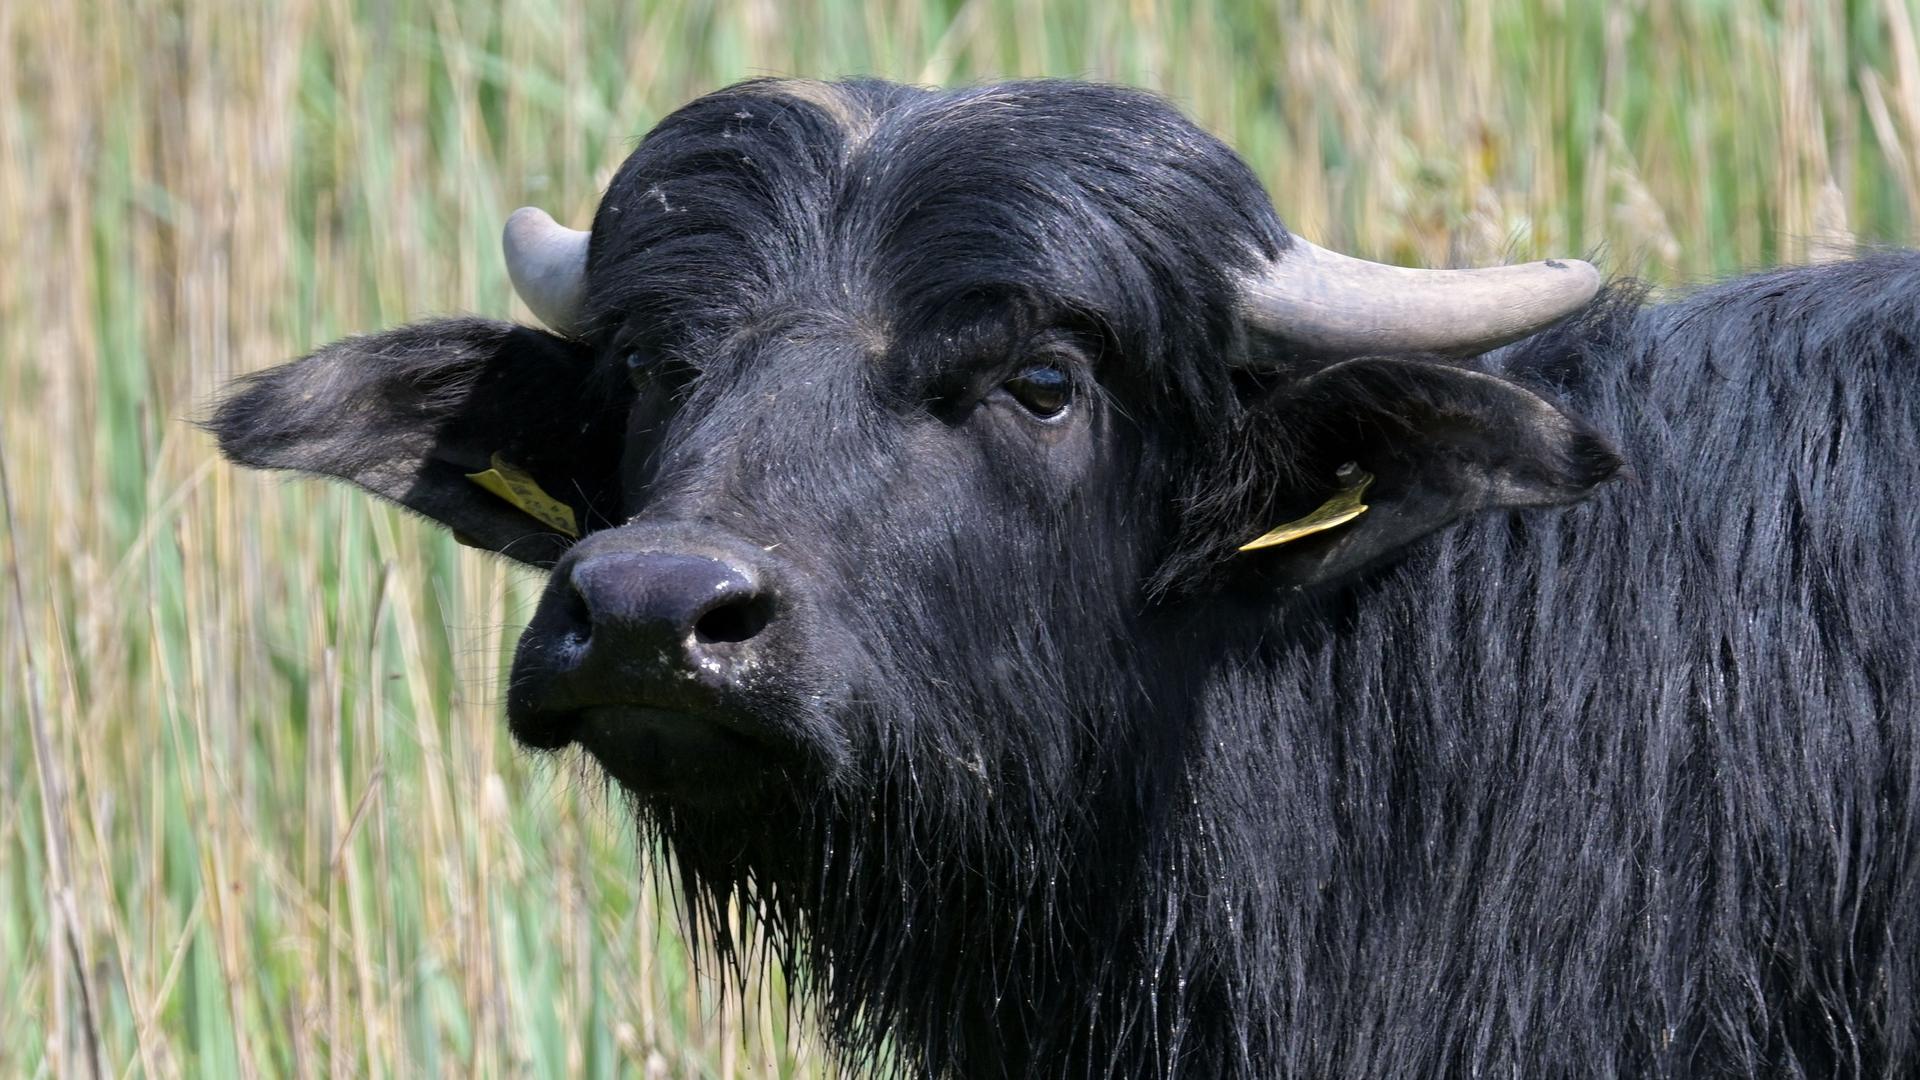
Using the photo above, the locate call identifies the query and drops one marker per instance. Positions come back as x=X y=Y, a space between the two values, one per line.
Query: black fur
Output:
x=1626 y=788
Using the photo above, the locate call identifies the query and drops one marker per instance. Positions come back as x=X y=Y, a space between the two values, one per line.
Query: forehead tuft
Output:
x=839 y=104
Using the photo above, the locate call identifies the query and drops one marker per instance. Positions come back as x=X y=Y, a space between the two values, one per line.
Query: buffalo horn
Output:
x=1337 y=304
x=548 y=264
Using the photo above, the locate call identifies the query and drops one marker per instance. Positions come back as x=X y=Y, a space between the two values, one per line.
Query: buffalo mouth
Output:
x=651 y=751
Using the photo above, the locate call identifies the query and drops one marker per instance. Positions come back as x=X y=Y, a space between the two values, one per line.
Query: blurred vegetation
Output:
x=258 y=812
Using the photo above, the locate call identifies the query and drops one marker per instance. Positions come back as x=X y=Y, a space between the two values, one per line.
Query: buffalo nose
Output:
x=682 y=605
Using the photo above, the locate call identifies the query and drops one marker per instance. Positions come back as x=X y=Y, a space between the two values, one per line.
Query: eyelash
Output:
x=1045 y=390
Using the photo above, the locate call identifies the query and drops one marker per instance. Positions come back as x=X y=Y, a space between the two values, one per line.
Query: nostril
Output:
x=734 y=620
x=577 y=613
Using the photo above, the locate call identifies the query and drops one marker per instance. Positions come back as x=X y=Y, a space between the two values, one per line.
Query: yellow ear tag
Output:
x=518 y=488
x=1344 y=506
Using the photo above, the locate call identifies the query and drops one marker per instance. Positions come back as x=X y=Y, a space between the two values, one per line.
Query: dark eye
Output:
x=1043 y=390
x=636 y=367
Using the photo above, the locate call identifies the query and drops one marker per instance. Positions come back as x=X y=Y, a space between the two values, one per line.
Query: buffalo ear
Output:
x=412 y=414
x=1440 y=441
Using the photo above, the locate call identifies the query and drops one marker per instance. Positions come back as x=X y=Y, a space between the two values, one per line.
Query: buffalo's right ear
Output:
x=414 y=414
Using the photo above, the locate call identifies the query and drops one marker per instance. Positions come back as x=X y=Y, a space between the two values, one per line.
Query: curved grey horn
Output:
x=548 y=264
x=1338 y=304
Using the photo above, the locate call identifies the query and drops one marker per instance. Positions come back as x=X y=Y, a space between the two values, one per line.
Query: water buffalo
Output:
x=898 y=457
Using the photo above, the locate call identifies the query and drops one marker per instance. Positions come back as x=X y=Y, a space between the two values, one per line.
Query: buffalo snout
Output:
x=696 y=612
x=675 y=656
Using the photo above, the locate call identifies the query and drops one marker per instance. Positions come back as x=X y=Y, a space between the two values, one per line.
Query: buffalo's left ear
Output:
x=1440 y=442
x=422 y=414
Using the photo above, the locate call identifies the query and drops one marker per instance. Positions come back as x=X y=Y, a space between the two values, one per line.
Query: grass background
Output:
x=258 y=813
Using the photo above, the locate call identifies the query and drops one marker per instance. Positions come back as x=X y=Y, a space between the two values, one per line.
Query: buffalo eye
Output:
x=1043 y=390
x=636 y=367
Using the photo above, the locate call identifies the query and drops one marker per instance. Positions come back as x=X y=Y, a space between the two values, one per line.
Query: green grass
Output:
x=258 y=813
